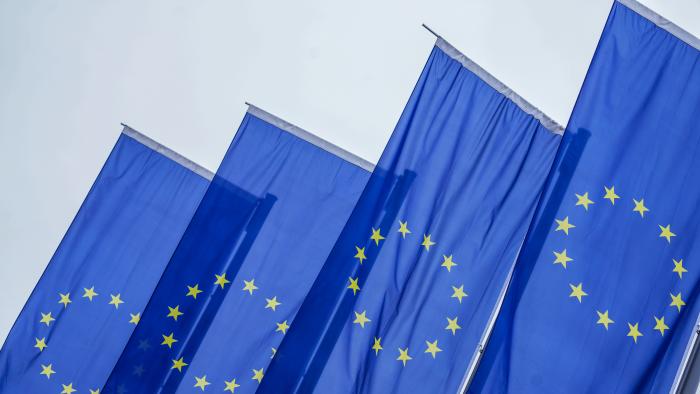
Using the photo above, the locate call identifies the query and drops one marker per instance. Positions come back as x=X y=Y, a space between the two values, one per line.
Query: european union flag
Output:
x=251 y=252
x=81 y=313
x=404 y=297
x=604 y=296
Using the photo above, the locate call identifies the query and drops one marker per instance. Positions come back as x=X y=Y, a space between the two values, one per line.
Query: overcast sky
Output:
x=180 y=71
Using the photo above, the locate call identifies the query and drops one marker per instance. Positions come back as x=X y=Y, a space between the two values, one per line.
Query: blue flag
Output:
x=403 y=299
x=604 y=296
x=81 y=313
x=235 y=282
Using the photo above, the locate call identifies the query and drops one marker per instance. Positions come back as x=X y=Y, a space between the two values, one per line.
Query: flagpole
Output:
x=691 y=351
x=479 y=352
x=431 y=30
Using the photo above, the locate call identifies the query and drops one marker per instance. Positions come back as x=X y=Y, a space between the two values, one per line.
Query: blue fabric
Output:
x=271 y=215
x=635 y=127
x=465 y=165
x=119 y=243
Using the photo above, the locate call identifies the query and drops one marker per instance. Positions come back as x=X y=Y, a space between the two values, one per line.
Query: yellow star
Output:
x=178 y=364
x=360 y=255
x=458 y=293
x=433 y=348
x=577 y=291
x=604 y=319
x=89 y=293
x=168 y=340
x=660 y=325
x=46 y=318
x=452 y=325
x=377 y=346
x=361 y=319
x=677 y=301
x=68 y=388
x=193 y=291
x=678 y=267
x=135 y=318
x=95 y=391
x=403 y=356
x=447 y=262
x=353 y=285
x=174 y=312
x=376 y=236
x=584 y=200
x=610 y=194
x=282 y=327
x=274 y=351
x=65 y=299
x=231 y=385
x=40 y=344
x=666 y=233
x=562 y=258
x=249 y=286
x=272 y=303
x=564 y=225
x=116 y=300
x=639 y=207
x=221 y=280
x=634 y=331
x=258 y=375
x=47 y=370
x=427 y=243
x=403 y=229
x=201 y=382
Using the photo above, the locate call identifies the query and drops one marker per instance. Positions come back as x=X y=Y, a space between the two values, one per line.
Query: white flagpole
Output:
x=691 y=352
x=479 y=352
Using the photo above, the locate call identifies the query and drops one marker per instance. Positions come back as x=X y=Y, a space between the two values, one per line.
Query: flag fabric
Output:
x=79 y=317
x=604 y=295
x=255 y=245
x=403 y=299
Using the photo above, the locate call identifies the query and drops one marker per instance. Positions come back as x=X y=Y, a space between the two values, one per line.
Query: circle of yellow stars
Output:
x=361 y=319
x=48 y=318
x=174 y=312
x=249 y=288
x=577 y=291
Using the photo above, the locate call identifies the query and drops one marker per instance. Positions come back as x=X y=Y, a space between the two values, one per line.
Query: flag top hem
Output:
x=499 y=86
x=662 y=22
x=310 y=138
x=167 y=152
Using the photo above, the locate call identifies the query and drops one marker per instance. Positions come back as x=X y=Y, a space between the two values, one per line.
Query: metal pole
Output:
x=479 y=352
x=431 y=30
x=691 y=351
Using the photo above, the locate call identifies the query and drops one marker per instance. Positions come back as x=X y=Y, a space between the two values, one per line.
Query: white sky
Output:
x=180 y=71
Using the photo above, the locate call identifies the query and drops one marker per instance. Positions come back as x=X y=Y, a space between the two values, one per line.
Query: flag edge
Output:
x=310 y=138
x=661 y=22
x=167 y=152
x=546 y=121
